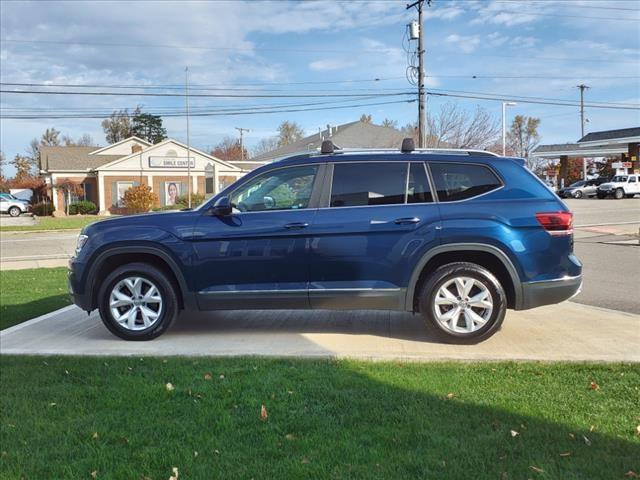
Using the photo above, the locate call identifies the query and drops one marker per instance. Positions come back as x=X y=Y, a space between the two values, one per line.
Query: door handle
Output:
x=296 y=225
x=406 y=220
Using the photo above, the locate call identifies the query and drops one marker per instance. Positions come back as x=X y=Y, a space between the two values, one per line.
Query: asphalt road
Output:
x=611 y=271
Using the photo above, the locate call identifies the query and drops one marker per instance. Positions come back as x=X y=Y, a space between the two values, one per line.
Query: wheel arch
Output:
x=488 y=256
x=112 y=258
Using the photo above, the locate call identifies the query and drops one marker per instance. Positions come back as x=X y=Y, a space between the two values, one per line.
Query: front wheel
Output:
x=578 y=194
x=463 y=303
x=15 y=211
x=137 y=301
x=619 y=195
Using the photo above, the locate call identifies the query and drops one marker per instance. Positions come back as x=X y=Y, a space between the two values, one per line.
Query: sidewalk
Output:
x=565 y=332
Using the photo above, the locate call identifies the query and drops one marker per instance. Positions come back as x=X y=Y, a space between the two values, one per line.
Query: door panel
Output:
x=257 y=259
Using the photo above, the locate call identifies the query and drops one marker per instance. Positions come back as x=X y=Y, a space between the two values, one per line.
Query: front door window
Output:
x=281 y=189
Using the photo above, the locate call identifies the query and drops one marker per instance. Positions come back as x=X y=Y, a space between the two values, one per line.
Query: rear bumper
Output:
x=548 y=292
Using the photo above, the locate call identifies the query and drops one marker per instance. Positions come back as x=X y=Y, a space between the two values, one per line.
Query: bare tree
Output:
x=523 y=138
x=22 y=165
x=118 y=126
x=366 y=118
x=265 y=145
x=3 y=161
x=50 y=138
x=453 y=127
x=387 y=122
x=84 y=141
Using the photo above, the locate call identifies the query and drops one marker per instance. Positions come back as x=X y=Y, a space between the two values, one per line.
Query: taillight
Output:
x=556 y=223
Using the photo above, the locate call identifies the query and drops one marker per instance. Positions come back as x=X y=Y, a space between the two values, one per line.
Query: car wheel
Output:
x=578 y=194
x=600 y=195
x=137 y=301
x=619 y=194
x=14 y=211
x=463 y=303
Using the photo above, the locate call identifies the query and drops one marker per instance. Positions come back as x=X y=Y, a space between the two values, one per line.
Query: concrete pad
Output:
x=569 y=332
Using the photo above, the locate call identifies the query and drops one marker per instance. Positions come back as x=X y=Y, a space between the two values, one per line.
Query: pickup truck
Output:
x=619 y=187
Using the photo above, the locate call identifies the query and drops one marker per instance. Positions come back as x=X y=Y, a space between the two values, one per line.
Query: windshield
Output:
x=577 y=184
x=9 y=196
x=619 y=178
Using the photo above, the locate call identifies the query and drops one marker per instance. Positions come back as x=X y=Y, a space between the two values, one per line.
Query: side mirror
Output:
x=221 y=207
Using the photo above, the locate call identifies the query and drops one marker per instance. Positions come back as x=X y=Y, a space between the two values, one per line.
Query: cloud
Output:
x=329 y=64
x=465 y=43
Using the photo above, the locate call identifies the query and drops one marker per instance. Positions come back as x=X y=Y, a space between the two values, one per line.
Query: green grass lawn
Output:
x=68 y=417
x=73 y=222
x=26 y=294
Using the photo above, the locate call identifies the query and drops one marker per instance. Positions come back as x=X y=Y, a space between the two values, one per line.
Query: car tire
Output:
x=14 y=211
x=121 y=286
x=578 y=194
x=619 y=194
x=438 y=307
x=600 y=196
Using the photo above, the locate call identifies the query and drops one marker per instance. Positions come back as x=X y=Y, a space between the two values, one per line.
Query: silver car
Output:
x=12 y=205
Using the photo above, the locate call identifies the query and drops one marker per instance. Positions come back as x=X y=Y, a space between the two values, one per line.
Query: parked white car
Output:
x=619 y=187
x=13 y=206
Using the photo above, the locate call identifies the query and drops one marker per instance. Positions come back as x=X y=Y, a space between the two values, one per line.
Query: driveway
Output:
x=569 y=332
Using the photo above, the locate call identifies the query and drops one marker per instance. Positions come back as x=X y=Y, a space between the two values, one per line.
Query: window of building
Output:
x=282 y=189
x=458 y=181
x=418 y=189
x=120 y=188
x=359 y=184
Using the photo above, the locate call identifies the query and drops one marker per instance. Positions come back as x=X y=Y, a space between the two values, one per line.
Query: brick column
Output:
x=634 y=155
x=564 y=170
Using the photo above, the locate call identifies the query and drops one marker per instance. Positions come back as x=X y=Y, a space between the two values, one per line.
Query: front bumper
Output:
x=79 y=295
x=549 y=292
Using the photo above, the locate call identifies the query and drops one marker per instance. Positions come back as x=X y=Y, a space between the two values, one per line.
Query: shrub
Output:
x=183 y=200
x=42 y=209
x=139 y=199
x=82 y=207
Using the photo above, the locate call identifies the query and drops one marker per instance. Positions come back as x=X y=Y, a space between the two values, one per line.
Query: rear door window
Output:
x=418 y=189
x=460 y=181
x=361 y=184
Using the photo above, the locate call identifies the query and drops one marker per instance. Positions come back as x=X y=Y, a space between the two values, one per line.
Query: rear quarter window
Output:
x=460 y=181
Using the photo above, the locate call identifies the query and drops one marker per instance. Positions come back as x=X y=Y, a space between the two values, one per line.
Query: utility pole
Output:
x=242 y=130
x=186 y=98
x=582 y=88
x=422 y=100
x=504 y=125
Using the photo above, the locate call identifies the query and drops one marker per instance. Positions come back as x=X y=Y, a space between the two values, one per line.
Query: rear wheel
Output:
x=619 y=194
x=463 y=303
x=578 y=194
x=137 y=302
x=14 y=211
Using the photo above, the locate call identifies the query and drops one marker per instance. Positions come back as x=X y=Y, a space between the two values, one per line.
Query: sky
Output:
x=533 y=48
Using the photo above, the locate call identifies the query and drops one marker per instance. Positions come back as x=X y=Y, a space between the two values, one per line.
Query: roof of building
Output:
x=611 y=134
x=349 y=135
x=72 y=158
x=576 y=150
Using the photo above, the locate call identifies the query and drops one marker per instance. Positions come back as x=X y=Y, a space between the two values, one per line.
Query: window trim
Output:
x=327 y=190
x=435 y=190
x=314 y=199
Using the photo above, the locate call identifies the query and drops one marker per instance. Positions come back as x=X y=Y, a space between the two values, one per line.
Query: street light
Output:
x=504 y=125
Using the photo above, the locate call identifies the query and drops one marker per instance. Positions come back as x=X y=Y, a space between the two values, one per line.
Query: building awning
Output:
x=578 y=150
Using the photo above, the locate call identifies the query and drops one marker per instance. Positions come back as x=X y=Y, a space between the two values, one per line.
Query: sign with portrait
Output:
x=171 y=191
x=172 y=162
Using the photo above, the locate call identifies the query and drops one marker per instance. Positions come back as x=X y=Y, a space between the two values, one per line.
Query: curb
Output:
x=33 y=321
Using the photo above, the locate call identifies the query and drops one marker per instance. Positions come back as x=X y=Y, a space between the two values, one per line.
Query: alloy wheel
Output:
x=463 y=305
x=135 y=303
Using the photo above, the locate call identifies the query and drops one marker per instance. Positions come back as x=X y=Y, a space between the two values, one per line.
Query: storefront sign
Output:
x=621 y=165
x=171 y=162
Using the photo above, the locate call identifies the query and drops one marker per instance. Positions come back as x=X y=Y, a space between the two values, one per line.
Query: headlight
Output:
x=82 y=239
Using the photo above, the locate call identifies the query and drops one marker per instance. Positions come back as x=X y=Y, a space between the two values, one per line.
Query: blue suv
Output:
x=453 y=235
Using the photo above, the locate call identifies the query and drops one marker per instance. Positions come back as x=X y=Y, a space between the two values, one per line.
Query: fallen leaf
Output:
x=94 y=474
x=208 y=376
x=221 y=376
x=169 y=386
x=586 y=440
x=572 y=435
x=124 y=440
x=514 y=433
x=263 y=413
x=305 y=460
x=565 y=454
x=290 y=392
x=95 y=435
x=592 y=428
x=217 y=451
x=289 y=436
x=175 y=474
x=66 y=372
x=631 y=474
x=536 y=469
x=594 y=386
x=52 y=404
x=638 y=430
x=195 y=454
x=504 y=476
x=450 y=396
